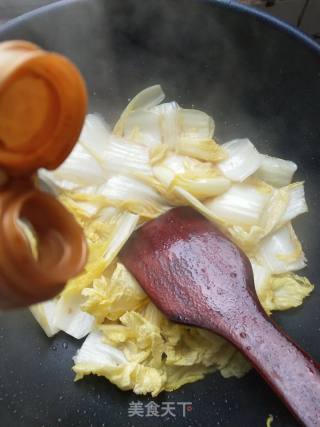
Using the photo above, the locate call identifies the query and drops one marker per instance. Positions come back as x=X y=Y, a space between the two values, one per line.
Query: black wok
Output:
x=258 y=78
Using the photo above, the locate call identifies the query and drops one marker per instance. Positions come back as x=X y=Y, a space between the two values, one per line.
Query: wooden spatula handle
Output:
x=291 y=373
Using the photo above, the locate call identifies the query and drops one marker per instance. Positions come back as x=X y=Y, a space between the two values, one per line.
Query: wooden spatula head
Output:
x=193 y=273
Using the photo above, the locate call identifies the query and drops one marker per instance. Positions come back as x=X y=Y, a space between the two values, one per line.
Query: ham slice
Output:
x=43 y=102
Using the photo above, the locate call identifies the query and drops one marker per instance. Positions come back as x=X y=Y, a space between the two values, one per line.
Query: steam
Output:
x=204 y=55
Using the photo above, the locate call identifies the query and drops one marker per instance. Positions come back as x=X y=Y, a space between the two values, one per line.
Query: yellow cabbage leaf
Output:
x=111 y=298
x=201 y=149
x=170 y=354
x=285 y=291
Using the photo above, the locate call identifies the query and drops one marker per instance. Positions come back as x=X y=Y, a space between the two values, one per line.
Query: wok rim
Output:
x=262 y=16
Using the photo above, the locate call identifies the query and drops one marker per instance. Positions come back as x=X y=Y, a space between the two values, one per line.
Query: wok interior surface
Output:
x=257 y=81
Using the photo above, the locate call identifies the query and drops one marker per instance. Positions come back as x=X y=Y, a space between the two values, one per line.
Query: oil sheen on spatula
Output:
x=197 y=276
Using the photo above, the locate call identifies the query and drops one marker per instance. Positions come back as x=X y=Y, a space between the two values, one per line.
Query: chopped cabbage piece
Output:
x=121 y=233
x=118 y=156
x=44 y=314
x=112 y=298
x=94 y=353
x=276 y=172
x=105 y=242
x=69 y=317
x=79 y=170
x=143 y=127
x=261 y=275
x=243 y=159
x=242 y=204
x=237 y=366
x=146 y=99
x=168 y=116
x=95 y=134
x=202 y=188
x=133 y=195
x=200 y=179
x=187 y=131
x=196 y=124
x=281 y=251
x=204 y=149
x=285 y=291
x=297 y=204
x=198 y=205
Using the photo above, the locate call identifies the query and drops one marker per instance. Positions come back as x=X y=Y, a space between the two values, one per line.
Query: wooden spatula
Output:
x=197 y=276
